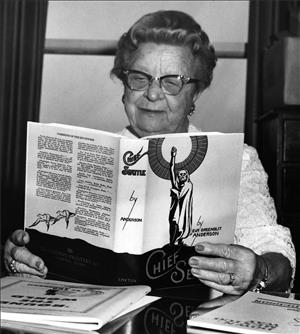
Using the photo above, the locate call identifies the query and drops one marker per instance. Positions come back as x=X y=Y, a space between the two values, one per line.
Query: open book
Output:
x=141 y=204
x=65 y=304
x=252 y=313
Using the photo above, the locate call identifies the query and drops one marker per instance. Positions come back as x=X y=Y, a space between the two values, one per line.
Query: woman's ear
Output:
x=124 y=94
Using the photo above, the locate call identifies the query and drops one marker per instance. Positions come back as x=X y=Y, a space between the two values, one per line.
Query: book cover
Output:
x=252 y=313
x=141 y=204
x=65 y=304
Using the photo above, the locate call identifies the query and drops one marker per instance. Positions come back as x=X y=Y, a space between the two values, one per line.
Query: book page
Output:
x=71 y=182
x=252 y=313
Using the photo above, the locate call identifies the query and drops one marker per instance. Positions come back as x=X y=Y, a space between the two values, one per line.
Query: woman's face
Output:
x=151 y=111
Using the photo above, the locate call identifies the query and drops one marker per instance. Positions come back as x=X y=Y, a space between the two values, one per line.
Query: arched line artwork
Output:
x=161 y=167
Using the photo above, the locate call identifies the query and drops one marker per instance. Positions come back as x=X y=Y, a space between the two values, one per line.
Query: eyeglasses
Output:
x=170 y=84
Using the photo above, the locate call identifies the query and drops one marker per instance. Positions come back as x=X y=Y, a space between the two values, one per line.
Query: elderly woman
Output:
x=165 y=62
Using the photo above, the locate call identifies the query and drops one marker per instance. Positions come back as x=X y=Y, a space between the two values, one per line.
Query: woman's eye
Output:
x=139 y=78
x=171 y=82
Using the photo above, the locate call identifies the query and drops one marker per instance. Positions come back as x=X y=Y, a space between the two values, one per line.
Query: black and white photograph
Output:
x=150 y=146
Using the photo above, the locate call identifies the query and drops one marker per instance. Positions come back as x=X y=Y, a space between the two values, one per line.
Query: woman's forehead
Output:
x=162 y=59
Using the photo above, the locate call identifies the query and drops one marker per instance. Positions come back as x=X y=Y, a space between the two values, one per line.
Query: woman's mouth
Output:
x=153 y=111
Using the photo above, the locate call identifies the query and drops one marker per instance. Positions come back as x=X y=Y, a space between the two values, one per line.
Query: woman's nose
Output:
x=154 y=91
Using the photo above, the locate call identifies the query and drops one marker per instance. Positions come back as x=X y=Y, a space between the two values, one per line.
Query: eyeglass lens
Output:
x=169 y=84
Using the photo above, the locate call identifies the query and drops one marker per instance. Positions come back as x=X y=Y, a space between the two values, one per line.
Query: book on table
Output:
x=250 y=314
x=65 y=304
x=95 y=198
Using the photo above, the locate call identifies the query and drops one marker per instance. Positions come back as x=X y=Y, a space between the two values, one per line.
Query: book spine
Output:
x=132 y=182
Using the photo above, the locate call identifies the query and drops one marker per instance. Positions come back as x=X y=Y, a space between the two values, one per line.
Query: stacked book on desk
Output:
x=252 y=313
x=66 y=305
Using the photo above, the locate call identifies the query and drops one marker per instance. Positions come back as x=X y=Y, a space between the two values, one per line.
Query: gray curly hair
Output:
x=168 y=27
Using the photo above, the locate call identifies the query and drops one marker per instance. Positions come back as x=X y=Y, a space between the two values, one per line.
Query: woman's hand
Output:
x=19 y=260
x=230 y=269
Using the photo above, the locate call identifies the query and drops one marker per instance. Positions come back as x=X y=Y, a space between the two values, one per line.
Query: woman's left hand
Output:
x=227 y=268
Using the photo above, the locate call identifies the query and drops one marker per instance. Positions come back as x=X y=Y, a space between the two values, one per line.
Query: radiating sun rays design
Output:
x=193 y=153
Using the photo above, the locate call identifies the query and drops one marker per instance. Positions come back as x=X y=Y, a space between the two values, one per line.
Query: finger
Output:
x=212 y=304
x=19 y=238
x=200 y=311
x=217 y=302
x=229 y=289
x=220 y=250
x=24 y=256
x=213 y=264
x=7 y=253
x=24 y=270
x=212 y=276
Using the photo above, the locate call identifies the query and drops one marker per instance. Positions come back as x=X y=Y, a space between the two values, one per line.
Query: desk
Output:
x=167 y=315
